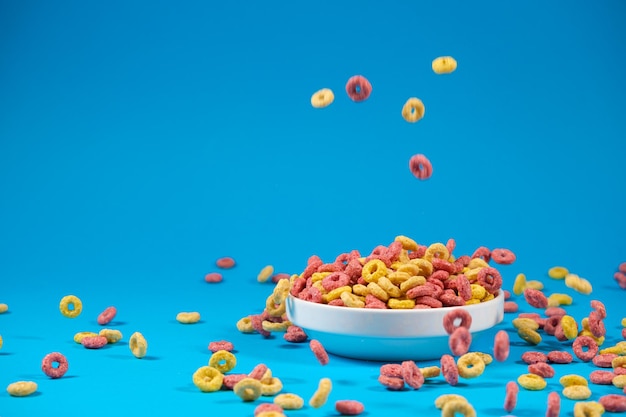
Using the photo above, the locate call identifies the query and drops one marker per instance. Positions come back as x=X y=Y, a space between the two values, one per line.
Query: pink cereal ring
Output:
x=295 y=334
x=620 y=277
x=554 y=405
x=335 y=280
x=450 y=299
x=599 y=307
x=311 y=294
x=482 y=252
x=258 y=371
x=412 y=375
x=221 y=345
x=94 y=342
x=336 y=302
x=391 y=382
x=391 y=369
x=502 y=256
x=602 y=377
x=510 y=400
x=490 y=278
x=604 y=360
x=225 y=262
x=458 y=315
x=420 y=167
x=596 y=325
x=213 y=277
x=261 y=408
x=449 y=369
x=319 y=352
x=561 y=357
x=501 y=346
x=585 y=341
x=542 y=369
x=358 y=88
x=443 y=265
x=349 y=407
x=463 y=287
x=510 y=307
x=555 y=311
x=48 y=368
x=531 y=357
x=622 y=267
x=450 y=245
x=535 y=298
x=231 y=380
x=428 y=301
x=107 y=315
x=613 y=403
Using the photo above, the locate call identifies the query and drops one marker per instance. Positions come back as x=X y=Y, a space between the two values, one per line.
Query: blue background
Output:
x=141 y=141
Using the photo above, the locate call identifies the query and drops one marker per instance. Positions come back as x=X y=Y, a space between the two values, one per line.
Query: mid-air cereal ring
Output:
x=208 y=379
x=413 y=110
x=420 y=167
x=322 y=98
x=21 y=388
x=138 y=345
x=452 y=407
x=532 y=382
x=94 y=342
x=188 y=317
x=4 y=308
x=444 y=65
x=267 y=270
x=349 y=407
x=320 y=396
x=470 y=365
x=107 y=316
x=74 y=302
x=48 y=368
x=358 y=88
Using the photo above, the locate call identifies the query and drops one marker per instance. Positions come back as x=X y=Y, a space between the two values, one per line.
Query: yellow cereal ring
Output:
x=570 y=327
x=273 y=309
x=3 y=308
x=426 y=268
x=558 y=299
x=619 y=362
x=265 y=273
x=488 y=297
x=78 y=337
x=1 y=341
x=270 y=326
x=71 y=300
x=519 y=285
x=267 y=376
x=336 y=293
x=534 y=284
x=188 y=318
x=619 y=381
x=398 y=277
x=248 y=389
x=431 y=371
x=208 y=379
x=477 y=263
x=318 y=276
x=320 y=396
x=319 y=286
x=397 y=304
x=588 y=409
x=271 y=386
x=138 y=345
x=487 y=358
x=529 y=335
x=322 y=98
x=389 y=288
x=244 y=325
x=407 y=242
x=599 y=340
x=572 y=379
x=451 y=408
x=532 y=382
x=524 y=322
x=281 y=291
x=436 y=250
x=619 y=349
x=444 y=65
x=624 y=322
x=351 y=300
x=289 y=401
x=377 y=291
x=578 y=284
x=414 y=281
x=409 y=268
x=558 y=272
x=223 y=361
x=21 y=388
x=413 y=110
x=270 y=414
x=360 y=289
x=478 y=291
x=404 y=256
x=112 y=335
x=373 y=270
x=445 y=398
x=472 y=301
x=577 y=392
x=470 y=365
x=472 y=274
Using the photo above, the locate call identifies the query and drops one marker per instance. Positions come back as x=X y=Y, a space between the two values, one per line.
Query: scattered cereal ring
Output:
x=588 y=409
x=613 y=403
x=577 y=392
x=73 y=302
x=535 y=298
x=265 y=273
x=358 y=88
x=213 y=277
x=78 y=337
x=349 y=407
x=225 y=262
x=542 y=369
x=3 y=308
x=502 y=256
x=444 y=65
x=266 y=407
x=94 y=342
x=413 y=110
x=421 y=167
x=138 y=345
x=589 y=343
x=470 y=365
x=449 y=369
x=412 y=375
x=558 y=272
x=601 y=377
x=248 y=389
x=557 y=356
x=452 y=407
x=529 y=335
x=111 y=335
x=208 y=379
x=319 y=352
x=107 y=316
x=572 y=379
x=554 y=404
x=320 y=396
x=450 y=318
x=221 y=345
x=510 y=400
x=289 y=401
x=391 y=382
x=48 y=368
x=21 y=388
x=188 y=318
x=532 y=382
x=322 y=98
x=501 y=346
x=223 y=361
x=619 y=381
x=271 y=386
x=459 y=341
x=531 y=357
x=604 y=360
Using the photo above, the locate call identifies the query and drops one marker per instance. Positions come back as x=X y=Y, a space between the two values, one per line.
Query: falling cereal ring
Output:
x=413 y=110
x=421 y=167
x=71 y=300
x=444 y=65
x=358 y=88
x=322 y=98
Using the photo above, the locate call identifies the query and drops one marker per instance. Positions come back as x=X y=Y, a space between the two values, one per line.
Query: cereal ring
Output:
x=525 y=323
x=502 y=256
x=531 y=357
x=619 y=362
x=589 y=343
x=412 y=375
x=613 y=403
x=295 y=334
x=459 y=341
x=289 y=401
x=470 y=365
x=554 y=405
x=231 y=380
x=335 y=280
x=554 y=310
x=322 y=98
x=248 y=389
x=107 y=316
x=569 y=326
x=442 y=400
x=532 y=382
x=444 y=65
x=267 y=407
x=572 y=379
x=430 y=371
x=221 y=345
x=588 y=409
x=501 y=346
x=271 y=386
x=599 y=307
x=138 y=345
x=452 y=407
x=394 y=303
x=510 y=307
x=557 y=272
x=449 y=369
x=577 y=392
x=358 y=88
x=112 y=335
x=223 y=361
x=604 y=360
x=373 y=270
x=3 y=308
x=225 y=262
x=188 y=318
x=319 y=352
x=510 y=400
x=619 y=381
x=535 y=298
x=244 y=325
x=557 y=356
x=265 y=273
x=462 y=316
x=94 y=342
x=542 y=369
x=48 y=368
x=420 y=167
x=413 y=110
x=21 y=388
x=320 y=396
x=213 y=277
x=490 y=279
x=487 y=358
x=596 y=324
x=78 y=337
x=349 y=407
x=601 y=377
x=391 y=382
x=529 y=335
x=270 y=414
x=73 y=302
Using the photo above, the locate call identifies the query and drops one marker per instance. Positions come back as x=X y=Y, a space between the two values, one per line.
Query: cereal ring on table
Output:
x=3 y=308
x=441 y=400
x=257 y=325
x=449 y=369
x=391 y=382
x=221 y=345
x=554 y=404
x=619 y=348
x=213 y=277
x=248 y=389
x=267 y=407
x=510 y=307
x=265 y=273
x=322 y=98
x=271 y=386
x=459 y=341
x=289 y=401
x=112 y=335
x=270 y=326
x=458 y=315
x=94 y=342
x=572 y=379
x=295 y=334
x=225 y=263
x=223 y=361
x=413 y=110
x=318 y=350
x=577 y=392
x=534 y=284
x=604 y=360
x=529 y=335
x=470 y=365
x=78 y=337
x=535 y=298
x=107 y=315
x=570 y=327
x=589 y=343
x=444 y=65
x=558 y=272
x=588 y=409
x=501 y=346
x=532 y=382
x=502 y=256
x=138 y=345
x=358 y=88
x=510 y=399
x=542 y=369
x=452 y=407
x=430 y=371
x=557 y=356
x=613 y=403
x=244 y=325
x=349 y=407
x=320 y=396
x=618 y=362
x=21 y=388
x=391 y=369
x=601 y=377
x=420 y=167
x=412 y=375
x=619 y=381
x=48 y=368
x=73 y=302
x=188 y=317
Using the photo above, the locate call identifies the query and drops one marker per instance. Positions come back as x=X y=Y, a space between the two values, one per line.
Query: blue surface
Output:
x=140 y=141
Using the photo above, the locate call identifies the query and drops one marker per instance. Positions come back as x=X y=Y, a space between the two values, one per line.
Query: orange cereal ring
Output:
x=421 y=167
x=413 y=110
x=225 y=262
x=358 y=88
